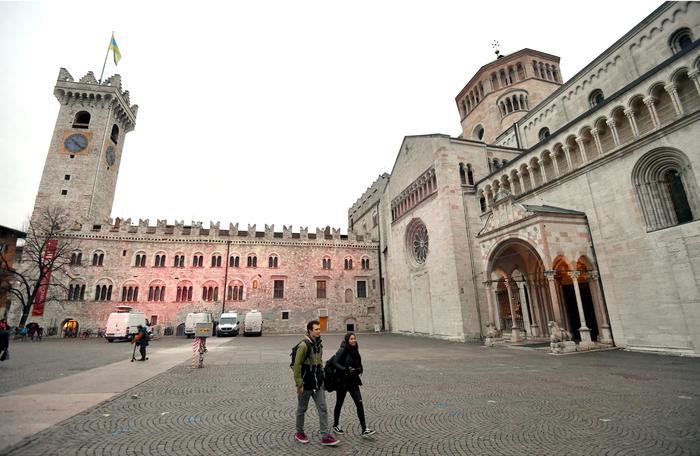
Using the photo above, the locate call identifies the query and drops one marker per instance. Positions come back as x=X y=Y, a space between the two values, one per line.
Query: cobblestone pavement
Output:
x=424 y=397
x=36 y=362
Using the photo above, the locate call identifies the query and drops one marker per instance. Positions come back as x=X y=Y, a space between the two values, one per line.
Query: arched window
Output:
x=184 y=291
x=326 y=263
x=81 y=120
x=365 y=263
x=482 y=203
x=462 y=174
x=478 y=133
x=348 y=263
x=130 y=292
x=216 y=260
x=198 y=260
x=160 y=260
x=114 y=136
x=76 y=291
x=103 y=290
x=273 y=261
x=666 y=189
x=156 y=291
x=595 y=98
x=76 y=258
x=179 y=260
x=252 y=261
x=544 y=133
x=470 y=174
x=234 y=261
x=235 y=291
x=98 y=258
x=681 y=40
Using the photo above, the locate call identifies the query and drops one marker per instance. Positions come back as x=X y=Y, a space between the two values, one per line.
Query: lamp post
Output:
x=223 y=301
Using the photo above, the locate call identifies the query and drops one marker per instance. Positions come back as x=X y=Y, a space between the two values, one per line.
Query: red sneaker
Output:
x=301 y=437
x=329 y=440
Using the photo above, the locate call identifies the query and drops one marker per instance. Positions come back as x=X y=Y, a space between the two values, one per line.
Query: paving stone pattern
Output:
x=424 y=397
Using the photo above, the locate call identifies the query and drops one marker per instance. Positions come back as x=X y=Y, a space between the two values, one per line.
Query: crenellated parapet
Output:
x=90 y=92
x=125 y=229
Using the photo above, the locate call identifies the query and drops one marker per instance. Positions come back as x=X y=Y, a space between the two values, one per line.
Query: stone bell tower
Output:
x=82 y=164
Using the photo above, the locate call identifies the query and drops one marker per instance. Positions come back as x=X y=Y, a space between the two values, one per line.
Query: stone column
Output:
x=694 y=76
x=633 y=123
x=540 y=163
x=583 y=330
x=544 y=302
x=554 y=163
x=605 y=336
x=489 y=301
x=613 y=128
x=530 y=178
x=567 y=154
x=649 y=101
x=554 y=296
x=514 y=331
x=596 y=139
x=524 y=310
x=531 y=292
x=672 y=90
x=582 y=148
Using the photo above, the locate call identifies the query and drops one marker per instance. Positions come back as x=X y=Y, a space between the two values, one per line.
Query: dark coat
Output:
x=348 y=363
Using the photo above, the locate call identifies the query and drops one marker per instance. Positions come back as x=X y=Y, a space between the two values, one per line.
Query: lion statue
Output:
x=557 y=333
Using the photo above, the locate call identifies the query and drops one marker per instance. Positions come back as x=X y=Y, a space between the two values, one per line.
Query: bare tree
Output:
x=44 y=264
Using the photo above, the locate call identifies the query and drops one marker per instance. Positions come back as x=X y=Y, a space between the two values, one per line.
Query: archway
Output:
x=517 y=295
x=69 y=328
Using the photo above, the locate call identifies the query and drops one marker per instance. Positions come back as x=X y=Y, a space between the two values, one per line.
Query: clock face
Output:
x=110 y=155
x=76 y=142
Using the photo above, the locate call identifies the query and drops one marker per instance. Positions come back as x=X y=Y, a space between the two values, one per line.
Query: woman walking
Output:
x=348 y=363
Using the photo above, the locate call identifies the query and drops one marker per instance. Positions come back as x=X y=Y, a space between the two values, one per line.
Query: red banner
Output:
x=43 y=290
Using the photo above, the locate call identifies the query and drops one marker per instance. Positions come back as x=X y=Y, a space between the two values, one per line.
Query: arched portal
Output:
x=516 y=291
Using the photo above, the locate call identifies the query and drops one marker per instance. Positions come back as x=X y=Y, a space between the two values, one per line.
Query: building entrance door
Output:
x=324 y=323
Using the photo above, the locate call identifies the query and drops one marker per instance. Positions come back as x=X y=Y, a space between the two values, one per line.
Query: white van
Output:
x=228 y=324
x=193 y=318
x=123 y=323
x=253 y=323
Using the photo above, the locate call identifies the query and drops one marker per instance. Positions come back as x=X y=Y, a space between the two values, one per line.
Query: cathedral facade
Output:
x=563 y=204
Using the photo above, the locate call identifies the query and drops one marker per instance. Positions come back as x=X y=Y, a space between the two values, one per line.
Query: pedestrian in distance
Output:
x=348 y=366
x=141 y=341
x=4 y=343
x=308 y=378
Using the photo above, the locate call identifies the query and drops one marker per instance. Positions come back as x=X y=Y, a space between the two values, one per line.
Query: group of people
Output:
x=310 y=383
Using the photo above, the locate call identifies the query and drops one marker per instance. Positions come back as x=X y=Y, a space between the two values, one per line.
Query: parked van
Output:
x=193 y=318
x=228 y=324
x=253 y=323
x=123 y=323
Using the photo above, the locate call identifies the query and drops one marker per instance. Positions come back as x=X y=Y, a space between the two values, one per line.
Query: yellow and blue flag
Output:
x=114 y=48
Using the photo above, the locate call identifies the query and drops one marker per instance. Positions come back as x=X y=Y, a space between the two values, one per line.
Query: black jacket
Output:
x=343 y=361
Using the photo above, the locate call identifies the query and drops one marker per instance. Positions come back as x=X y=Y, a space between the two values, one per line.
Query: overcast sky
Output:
x=277 y=112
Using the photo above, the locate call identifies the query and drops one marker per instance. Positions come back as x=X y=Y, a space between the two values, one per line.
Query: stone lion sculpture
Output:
x=557 y=333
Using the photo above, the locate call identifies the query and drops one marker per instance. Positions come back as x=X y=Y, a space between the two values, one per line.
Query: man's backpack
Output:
x=330 y=381
x=293 y=354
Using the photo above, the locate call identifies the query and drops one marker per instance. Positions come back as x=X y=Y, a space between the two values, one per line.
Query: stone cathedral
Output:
x=563 y=204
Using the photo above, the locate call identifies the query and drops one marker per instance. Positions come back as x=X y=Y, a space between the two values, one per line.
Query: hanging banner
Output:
x=43 y=290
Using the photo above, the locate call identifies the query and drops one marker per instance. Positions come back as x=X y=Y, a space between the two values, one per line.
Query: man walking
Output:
x=141 y=340
x=308 y=377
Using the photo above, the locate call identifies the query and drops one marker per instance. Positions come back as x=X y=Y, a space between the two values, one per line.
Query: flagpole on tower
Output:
x=109 y=46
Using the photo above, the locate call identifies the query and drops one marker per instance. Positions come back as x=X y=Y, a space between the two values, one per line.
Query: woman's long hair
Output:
x=346 y=348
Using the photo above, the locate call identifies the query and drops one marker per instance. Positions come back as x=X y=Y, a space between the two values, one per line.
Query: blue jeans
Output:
x=319 y=396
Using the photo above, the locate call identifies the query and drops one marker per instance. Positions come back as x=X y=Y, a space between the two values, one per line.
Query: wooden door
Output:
x=324 y=323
